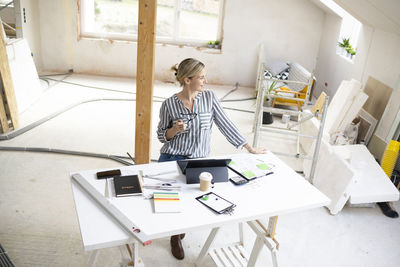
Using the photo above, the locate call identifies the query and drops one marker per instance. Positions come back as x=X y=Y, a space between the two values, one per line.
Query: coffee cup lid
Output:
x=205 y=176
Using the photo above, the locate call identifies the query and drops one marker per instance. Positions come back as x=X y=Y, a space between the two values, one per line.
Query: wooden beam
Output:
x=3 y=116
x=8 y=87
x=145 y=79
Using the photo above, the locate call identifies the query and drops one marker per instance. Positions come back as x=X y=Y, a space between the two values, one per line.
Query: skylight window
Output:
x=349 y=30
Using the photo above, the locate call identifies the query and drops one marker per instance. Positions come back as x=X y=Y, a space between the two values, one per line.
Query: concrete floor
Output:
x=38 y=223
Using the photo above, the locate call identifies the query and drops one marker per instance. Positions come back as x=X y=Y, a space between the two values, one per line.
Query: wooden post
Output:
x=145 y=79
x=8 y=87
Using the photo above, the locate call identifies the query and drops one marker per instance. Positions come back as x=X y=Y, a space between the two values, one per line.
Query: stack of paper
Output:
x=167 y=202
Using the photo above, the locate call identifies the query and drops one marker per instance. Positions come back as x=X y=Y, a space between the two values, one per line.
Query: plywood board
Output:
x=388 y=117
x=377 y=146
x=319 y=104
x=3 y=116
x=378 y=97
x=9 y=95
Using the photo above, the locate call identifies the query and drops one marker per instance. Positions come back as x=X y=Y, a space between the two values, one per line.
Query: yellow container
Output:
x=390 y=157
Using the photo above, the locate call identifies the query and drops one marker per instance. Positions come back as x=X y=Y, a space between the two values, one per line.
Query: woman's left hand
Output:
x=255 y=150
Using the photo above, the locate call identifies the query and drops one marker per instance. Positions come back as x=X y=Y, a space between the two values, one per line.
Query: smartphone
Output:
x=238 y=180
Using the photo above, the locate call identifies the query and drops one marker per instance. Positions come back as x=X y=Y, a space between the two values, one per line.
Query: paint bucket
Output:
x=390 y=157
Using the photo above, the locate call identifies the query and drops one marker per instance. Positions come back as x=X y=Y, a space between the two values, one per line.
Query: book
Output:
x=128 y=185
x=166 y=202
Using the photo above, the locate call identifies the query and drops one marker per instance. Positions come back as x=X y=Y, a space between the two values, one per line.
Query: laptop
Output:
x=192 y=169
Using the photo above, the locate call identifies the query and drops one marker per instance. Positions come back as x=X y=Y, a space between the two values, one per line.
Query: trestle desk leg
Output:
x=93 y=258
x=207 y=245
x=264 y=236
x=241 y=234
x=131 y=255
x=258 y=244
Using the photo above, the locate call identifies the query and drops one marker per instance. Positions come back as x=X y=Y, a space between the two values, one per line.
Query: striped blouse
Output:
x=194 y=142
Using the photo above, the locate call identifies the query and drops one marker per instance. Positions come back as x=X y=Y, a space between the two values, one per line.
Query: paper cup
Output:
x=205 y=181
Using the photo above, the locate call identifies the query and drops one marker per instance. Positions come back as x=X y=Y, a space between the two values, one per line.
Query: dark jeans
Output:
x=169 y=157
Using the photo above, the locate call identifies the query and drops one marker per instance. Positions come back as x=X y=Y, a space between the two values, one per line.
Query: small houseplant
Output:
x=267 y=116
x=210 y=44
x=344 y=44
x=216 y=44
x=269 y=91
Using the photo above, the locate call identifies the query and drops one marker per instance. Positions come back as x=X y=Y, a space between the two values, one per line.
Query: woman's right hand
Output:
x=178 y=127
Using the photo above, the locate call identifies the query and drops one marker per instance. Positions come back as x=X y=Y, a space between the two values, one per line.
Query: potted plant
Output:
x=352 y=53
x=267 y=116
x=210 y=44
x=216 y=44
x=344 y=44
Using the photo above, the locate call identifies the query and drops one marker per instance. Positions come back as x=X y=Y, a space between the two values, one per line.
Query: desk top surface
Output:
x=282 y=192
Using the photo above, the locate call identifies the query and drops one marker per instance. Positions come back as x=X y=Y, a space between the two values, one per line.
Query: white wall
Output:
x=378 y=55
x=31 y=29
x=289 y=29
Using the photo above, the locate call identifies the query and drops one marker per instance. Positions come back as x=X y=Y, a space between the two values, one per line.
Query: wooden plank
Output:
x=3 y=116
x=378 y=97
x=319 y=104
x=7 y=83
x=145 y=79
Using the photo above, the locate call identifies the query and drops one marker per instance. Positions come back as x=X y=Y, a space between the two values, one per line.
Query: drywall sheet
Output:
x=353 y=110
x=340 y=104
x=378 y=97
x=24 y=75
x=377 y=146
x=333 y=176
x=371 y=182
x=389 y=115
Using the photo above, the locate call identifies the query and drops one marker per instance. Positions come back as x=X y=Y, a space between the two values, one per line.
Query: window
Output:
x=350 y=30
x=190 y=22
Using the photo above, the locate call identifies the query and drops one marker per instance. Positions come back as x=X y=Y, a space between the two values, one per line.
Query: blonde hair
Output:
x=188 y=68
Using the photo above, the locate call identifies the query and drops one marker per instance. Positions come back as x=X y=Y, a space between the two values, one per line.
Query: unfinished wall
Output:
x=31 y=29
x=289 y=29
x=378 y=55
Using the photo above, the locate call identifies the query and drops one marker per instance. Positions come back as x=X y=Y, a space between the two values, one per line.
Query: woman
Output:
x=186 y=119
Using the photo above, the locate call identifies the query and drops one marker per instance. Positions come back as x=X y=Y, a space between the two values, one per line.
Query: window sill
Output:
x=350 y=60
x=203 y=49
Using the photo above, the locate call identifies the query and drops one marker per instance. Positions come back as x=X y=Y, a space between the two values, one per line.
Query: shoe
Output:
x=387 y=210
x=176 y=247
x=182 y=236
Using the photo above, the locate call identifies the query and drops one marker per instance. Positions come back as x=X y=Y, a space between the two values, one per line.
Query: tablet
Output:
x=216 y=203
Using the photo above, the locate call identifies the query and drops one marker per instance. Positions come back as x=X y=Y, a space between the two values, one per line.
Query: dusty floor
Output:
x=39 y=226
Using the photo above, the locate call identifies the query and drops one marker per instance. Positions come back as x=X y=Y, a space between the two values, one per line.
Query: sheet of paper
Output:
x=249 y=166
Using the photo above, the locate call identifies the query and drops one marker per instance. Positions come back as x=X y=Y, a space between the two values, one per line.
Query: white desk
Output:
x=283 y=192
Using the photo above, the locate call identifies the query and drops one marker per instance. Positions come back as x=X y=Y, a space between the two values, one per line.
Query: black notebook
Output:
x=129 y=185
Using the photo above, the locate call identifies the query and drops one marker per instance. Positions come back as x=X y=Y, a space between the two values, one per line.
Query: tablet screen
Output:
x=215 y=202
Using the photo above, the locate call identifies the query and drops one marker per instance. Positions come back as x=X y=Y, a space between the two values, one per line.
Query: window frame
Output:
x=174 y=40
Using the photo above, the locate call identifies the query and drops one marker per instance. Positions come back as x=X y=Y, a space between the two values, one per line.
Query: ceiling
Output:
x=379 y=14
